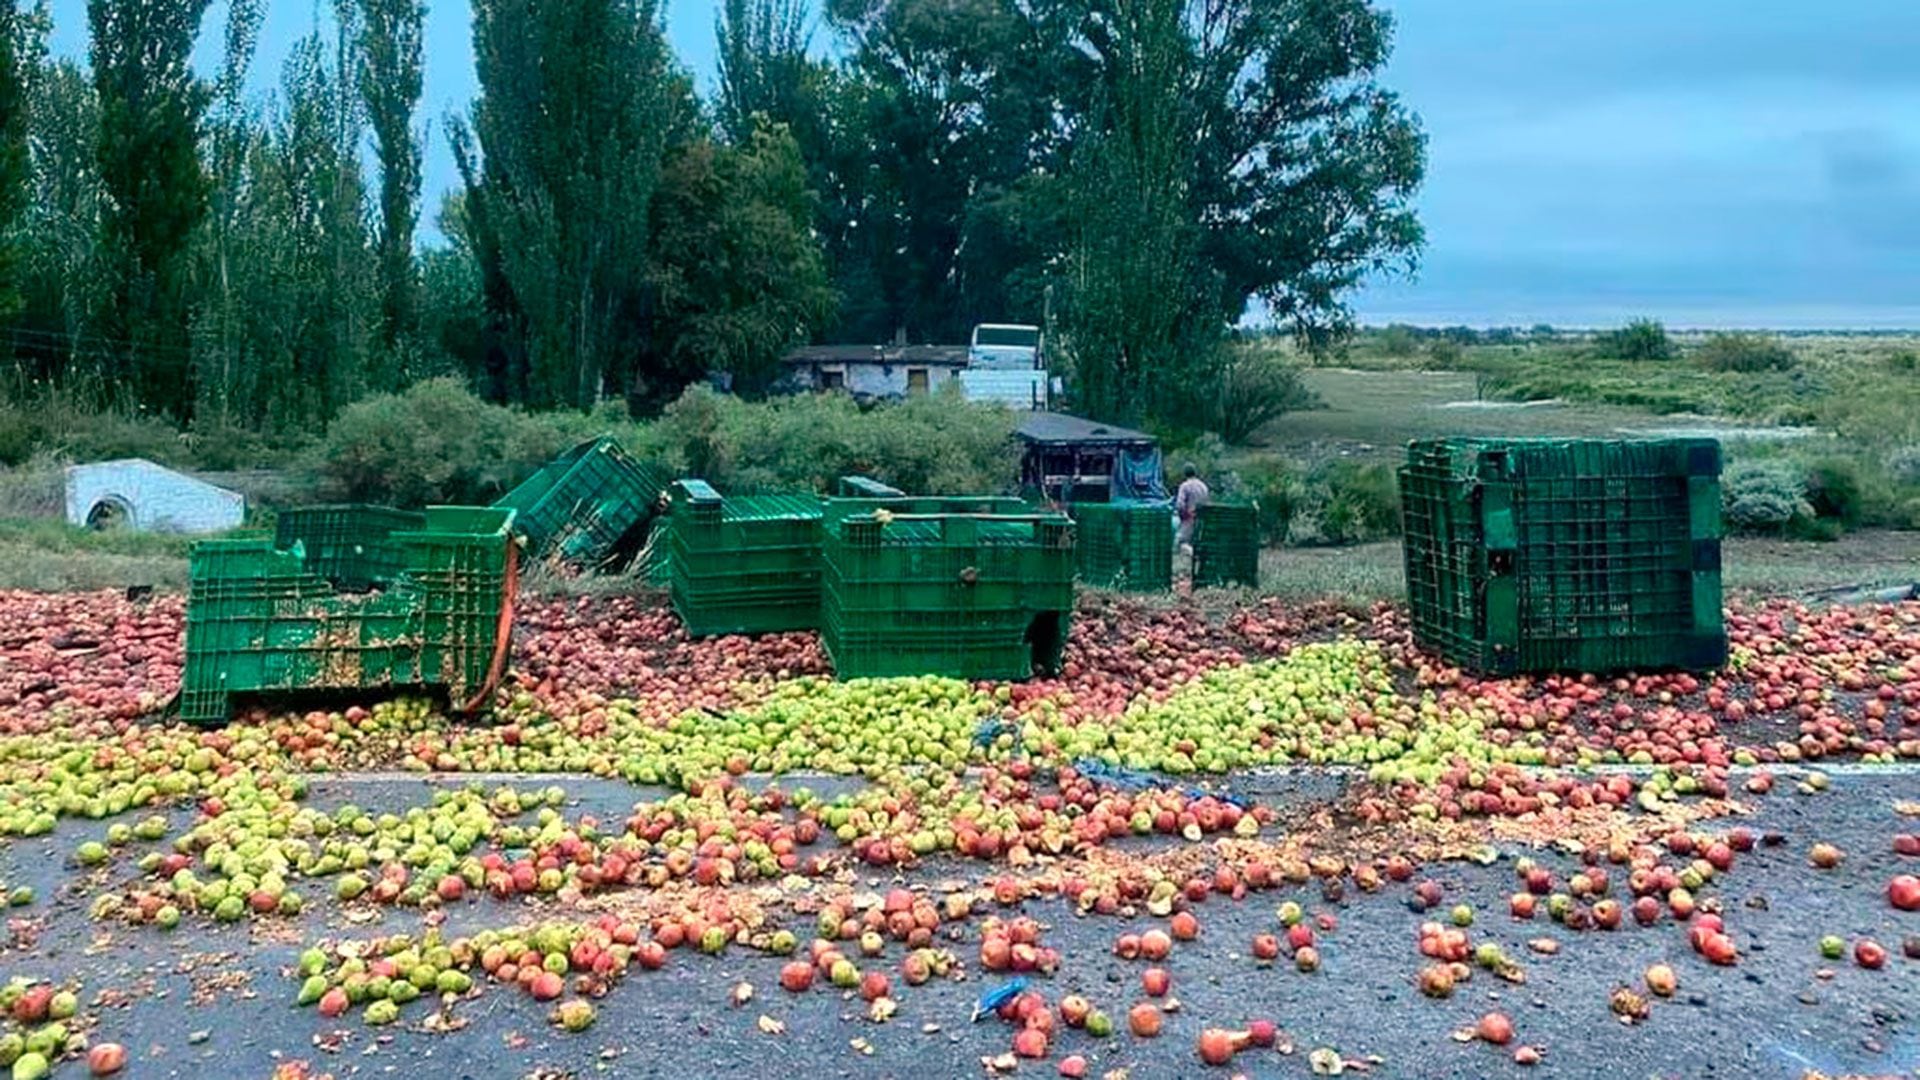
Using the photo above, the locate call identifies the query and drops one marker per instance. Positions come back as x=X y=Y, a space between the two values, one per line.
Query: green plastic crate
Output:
x=1226 y=545
x=866 y=487
x=262 y=621
x=589 y=505
x=347 y=544
x=1127 y=546
x=744 y=564
x=1588 y=556
x=976 y=597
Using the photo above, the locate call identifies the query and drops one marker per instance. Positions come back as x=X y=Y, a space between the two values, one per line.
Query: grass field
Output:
x=1365 y=573
x=1864 y=390
x=51 y=556
x=1373 y=413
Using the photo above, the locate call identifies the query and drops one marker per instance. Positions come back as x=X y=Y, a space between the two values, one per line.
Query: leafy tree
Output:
x=573 y=118
x=737 y=277
x=14 y=164
x=151 y=104
x=1642 y=339
x=945 y=108
x=60 y=292
x=1143 y=317
x=388 y=76
x=1305 y=165
x=233 y=135
x=1233 y=150
x=764 y=67
x=314 y=166
x=295 y=341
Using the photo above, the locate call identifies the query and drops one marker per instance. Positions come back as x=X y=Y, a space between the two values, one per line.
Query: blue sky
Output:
x=1707 y=162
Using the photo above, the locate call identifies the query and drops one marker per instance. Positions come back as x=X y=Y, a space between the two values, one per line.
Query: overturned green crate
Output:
x=1588 y=556
x=1126 y=546
x=1226 y=545
x=589 y=506
x=965 y=596
x=262 y=622
x=744 y=564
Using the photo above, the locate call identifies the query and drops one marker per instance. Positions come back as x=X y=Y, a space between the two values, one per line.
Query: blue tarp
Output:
x=1137 y=475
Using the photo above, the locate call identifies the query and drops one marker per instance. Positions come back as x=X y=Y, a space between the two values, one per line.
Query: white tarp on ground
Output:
x=150 y=498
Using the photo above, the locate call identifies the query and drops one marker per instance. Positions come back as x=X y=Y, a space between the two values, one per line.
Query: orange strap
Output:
x=503 y=633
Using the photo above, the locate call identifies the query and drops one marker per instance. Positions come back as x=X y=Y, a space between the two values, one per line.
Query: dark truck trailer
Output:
x=1069 y=459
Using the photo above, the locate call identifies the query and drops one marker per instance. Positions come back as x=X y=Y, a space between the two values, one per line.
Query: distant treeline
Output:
x=1133 y=172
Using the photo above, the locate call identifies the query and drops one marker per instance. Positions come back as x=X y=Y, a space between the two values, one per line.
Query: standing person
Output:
x=1187 y=501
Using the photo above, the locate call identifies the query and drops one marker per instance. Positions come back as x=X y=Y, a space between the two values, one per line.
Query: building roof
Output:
x=940 y=355
x=1060 y=428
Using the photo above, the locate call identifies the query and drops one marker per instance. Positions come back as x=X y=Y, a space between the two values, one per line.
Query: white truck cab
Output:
x=1005 y=364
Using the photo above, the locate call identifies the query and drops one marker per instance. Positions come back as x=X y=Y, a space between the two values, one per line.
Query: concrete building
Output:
x=137 y=494
x=870 y=372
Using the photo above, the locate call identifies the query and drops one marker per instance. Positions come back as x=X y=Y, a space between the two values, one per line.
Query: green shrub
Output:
x=1275 y=487
x=939 y=444
x=54 y=425
x=1445 y=352
x=1744 y=353
x=1642 y=339
x=1247 y=387
x=1904 y=361
x=1345 y=502
x=1835 y=491
x=1362 y=503
x=1398 y=339
x=1763 y=496
x=1903 y=465
x=437 y=443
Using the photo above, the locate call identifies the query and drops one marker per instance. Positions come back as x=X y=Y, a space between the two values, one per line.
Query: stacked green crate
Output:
x=1590 y=556
x=347 y=544
x=744 y=564
x=1226 y=545
x=261 y=620
x=1125 y=545
x=584 y=506
x=965 y=596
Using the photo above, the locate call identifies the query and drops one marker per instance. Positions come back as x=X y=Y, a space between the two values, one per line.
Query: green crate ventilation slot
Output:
x=1584 y=556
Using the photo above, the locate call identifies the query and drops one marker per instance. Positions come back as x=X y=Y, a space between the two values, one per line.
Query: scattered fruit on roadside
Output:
x=1144 y=1021
x=1216 y=1046
x=106 y=1059
x=1495 y=1028
x=1869 y=954
x=1661 y=980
